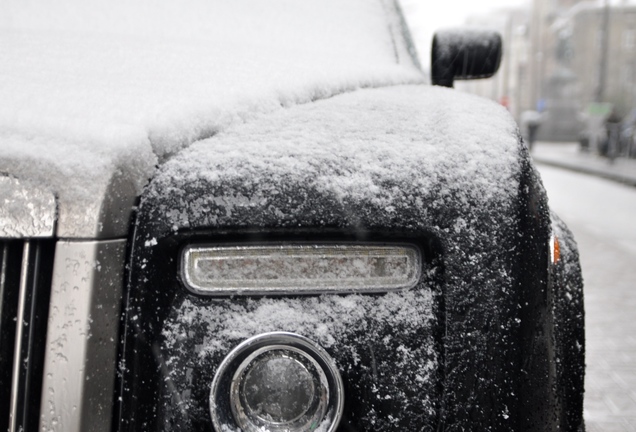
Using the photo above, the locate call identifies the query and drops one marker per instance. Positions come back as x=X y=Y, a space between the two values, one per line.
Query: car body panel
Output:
x=81 y=345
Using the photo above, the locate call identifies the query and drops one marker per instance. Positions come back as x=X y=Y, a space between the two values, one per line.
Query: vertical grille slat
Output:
x=10 y=262
x=38 y=313
x=25 y=268
x=25 y=283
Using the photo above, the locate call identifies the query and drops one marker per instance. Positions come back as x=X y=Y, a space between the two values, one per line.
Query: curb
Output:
x=626 y=180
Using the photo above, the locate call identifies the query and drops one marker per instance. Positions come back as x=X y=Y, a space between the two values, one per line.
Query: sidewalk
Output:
x=568 y=156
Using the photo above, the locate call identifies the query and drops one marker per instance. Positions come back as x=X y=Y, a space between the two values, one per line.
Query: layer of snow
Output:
x=390 y=147
x=86 y=174
x=99 y=84
x=25 y=211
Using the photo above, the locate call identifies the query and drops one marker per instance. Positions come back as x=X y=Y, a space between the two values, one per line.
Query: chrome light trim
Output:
x=298 y=268
x=220 y=390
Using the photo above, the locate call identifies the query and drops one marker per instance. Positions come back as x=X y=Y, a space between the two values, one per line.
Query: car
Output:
x=261 y=216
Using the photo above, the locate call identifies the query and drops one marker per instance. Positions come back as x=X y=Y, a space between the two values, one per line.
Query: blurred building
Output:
x=561 y=57
x=594 y=53
x=553 y=78
x=603 y=44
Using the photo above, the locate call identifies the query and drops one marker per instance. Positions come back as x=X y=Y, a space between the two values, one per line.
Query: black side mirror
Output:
x=464 y=54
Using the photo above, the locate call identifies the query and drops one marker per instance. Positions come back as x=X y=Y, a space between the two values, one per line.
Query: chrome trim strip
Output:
x=19 y=329
x=81 y=345
x=26 y=210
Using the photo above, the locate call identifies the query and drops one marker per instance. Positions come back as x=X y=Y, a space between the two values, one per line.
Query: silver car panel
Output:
x=81 y=346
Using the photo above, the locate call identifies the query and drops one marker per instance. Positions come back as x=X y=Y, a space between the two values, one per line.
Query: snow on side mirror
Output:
x=464 y=54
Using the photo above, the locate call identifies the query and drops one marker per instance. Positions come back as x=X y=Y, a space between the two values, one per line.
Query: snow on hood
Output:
x=392 y=148
x=92 y=88
x=96 y=181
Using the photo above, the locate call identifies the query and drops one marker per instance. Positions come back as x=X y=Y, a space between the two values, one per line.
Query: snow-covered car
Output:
x=259 y=216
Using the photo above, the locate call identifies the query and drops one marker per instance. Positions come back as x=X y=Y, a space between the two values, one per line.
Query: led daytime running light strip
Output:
x=299 y=268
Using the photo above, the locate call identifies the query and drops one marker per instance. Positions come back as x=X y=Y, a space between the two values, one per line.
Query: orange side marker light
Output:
x=556 y=250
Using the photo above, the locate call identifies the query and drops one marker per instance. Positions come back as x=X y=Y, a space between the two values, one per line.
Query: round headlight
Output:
x=277 y=382
x=279 y=388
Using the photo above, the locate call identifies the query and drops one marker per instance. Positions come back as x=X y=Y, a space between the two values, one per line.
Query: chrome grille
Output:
x=25 y=281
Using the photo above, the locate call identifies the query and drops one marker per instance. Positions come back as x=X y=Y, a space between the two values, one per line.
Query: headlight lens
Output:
x=277 y=382
x=300 y=269
x=280 y=389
